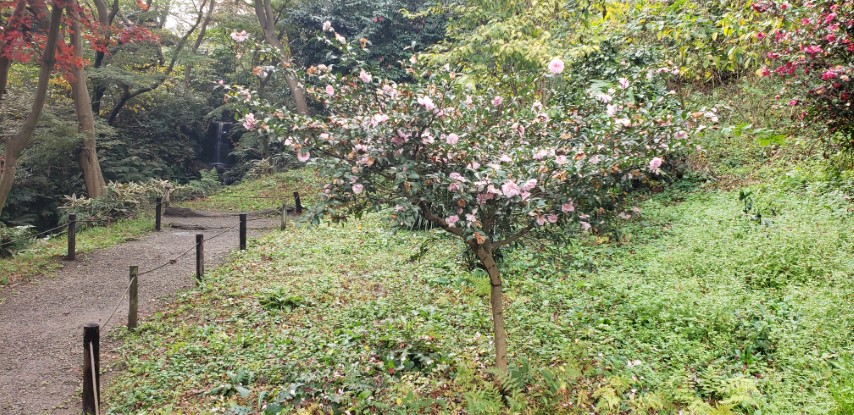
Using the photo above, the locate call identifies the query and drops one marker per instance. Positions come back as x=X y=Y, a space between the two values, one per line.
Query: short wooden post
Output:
x=133 y=297
x=91 y=369
x=297 y=204
x=158 y=213
x=200 y=257
x=284 y=223
x=72 y=237
x=242 y=231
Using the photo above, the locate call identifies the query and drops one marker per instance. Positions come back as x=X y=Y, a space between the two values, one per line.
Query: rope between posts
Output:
x=60 y=227
x=94 y=379
x=119 y=303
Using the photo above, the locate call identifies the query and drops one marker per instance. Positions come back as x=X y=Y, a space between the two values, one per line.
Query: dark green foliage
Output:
x=393 y=37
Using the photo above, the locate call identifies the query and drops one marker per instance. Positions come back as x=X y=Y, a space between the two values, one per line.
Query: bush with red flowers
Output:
x=812 y=52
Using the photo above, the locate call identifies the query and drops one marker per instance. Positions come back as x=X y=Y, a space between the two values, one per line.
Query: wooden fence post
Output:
x=284 y=223
x=91 y=369
x=242 y=231
x=158 y=213
x=200 y=257
x=297 y=204
x=72 y=237
x=133 y=297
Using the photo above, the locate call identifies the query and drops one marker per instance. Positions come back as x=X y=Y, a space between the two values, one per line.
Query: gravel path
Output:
x=41 y=335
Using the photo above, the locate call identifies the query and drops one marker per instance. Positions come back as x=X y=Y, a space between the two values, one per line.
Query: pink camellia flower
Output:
x=561 y=159
x=540 y=154
x=497 y=101
x=585 y=226
x=327 y=26
x=452 y=220
x=605 y=98
x=330 y=90
x=427 y=103
x=358 y=188
x=303 y=157
x=624 y=83
x=812 y=50
x=655 y=164
x=324 y=136
x=239 y=37
x=249 y=122
x=378 y=119
x=529 y=185
x=220 y=82
x=541 y=220
x=680 y=135
x=760 y=36
x=793 y=102
x=567 y=207
x=510 y=189
x=830 y=38
x=765 y=71
x=456 y=177
x=828 y=75
x=505 y=159
x=365 y=77
x=452 y=139
x=551 y=217
x=556 y=66
x=340 y=39
x=773 y=55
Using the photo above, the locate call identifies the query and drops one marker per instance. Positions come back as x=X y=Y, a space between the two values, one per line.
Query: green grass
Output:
x=43 y=256
x=261 y=194
x=702 y=309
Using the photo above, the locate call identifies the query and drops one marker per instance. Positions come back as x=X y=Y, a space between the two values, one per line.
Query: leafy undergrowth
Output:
x=714 y=304
x=264 y=193
x=42 y=256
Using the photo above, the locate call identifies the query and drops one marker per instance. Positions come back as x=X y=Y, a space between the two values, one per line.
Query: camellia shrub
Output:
x=487 y=169
x=813 y=55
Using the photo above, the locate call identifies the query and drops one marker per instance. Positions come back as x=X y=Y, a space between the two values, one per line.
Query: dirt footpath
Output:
x=41 y=334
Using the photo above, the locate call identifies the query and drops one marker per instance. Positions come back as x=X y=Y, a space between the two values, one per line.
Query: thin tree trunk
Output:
x=15 y=146
x=496 y=300
x=5 y=62
x=128 y=95
x=5 y=66
x=264 y=12
x=88 y=158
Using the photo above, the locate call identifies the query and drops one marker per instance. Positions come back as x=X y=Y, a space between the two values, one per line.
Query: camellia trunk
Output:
x=15 y=145
x=496 y=300
x=88 y=158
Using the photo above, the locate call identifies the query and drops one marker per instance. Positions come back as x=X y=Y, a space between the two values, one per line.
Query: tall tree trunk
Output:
x=485 y=256
x=15 y=145
x=264 y=12
x=189 y=69
x=88 y=158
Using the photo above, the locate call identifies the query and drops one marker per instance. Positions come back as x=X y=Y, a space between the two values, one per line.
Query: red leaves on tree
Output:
x=23 y=39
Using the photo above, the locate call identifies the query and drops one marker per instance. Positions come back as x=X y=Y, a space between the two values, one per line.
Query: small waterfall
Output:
x=221 y=147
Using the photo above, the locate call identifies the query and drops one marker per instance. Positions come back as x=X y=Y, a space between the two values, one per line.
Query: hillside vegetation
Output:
x=705 y=301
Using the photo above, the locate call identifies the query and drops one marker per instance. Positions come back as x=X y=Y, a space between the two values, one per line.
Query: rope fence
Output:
x=91 y=371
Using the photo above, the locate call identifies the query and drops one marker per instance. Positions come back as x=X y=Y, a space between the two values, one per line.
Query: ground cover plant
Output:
x=701 y=309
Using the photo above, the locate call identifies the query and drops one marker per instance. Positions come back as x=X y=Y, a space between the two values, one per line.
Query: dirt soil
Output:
x=41 y=321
